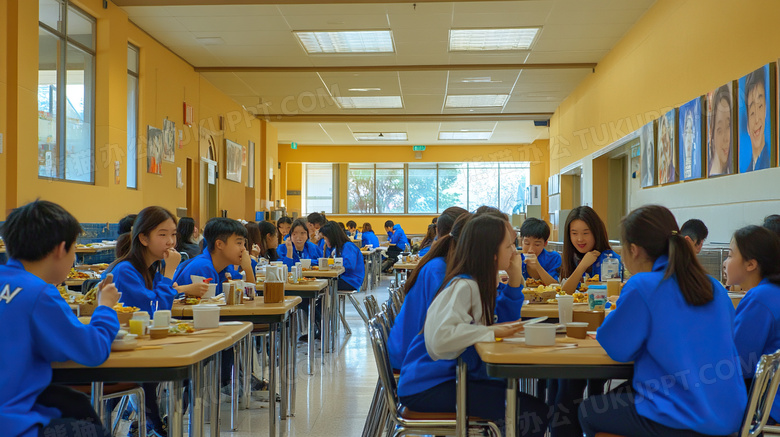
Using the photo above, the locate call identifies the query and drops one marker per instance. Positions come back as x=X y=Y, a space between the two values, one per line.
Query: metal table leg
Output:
x=334 y=312
x=213 y=384
x=196 y=400
x=293 y=342
x=175 y=408
x=511 y=407
x=283 y=357
x=312 y=321
x=96 y=398
x=326 y=322
x=272 y=375
x=246 y=364
x=234 y=387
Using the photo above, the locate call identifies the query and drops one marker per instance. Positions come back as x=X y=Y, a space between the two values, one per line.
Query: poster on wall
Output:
x=169 y=141
x=721 y=155
x=689 y=143
x=755 y=120
x=647 y=152
x=667 y=148
x=153 y=150
x=233 y=153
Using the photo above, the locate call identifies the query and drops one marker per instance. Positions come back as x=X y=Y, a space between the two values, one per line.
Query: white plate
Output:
x=124 y=345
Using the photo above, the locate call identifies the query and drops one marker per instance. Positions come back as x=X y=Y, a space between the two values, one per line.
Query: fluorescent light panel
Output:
x=353 y=41
x=464 y=40
x=369 y=102
x=460 y=135
x=476 y=100
x=375 y=136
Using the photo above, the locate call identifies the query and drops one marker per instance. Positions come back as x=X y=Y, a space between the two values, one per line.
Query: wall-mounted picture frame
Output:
x=233 y=152
x=756 y=118
x=154 y=150
x=667 y=148
x=647 y=135
x=689 y=144
x=720 y=132
x=169 y=141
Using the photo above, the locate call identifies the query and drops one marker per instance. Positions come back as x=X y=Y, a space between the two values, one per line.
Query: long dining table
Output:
x=330 y=307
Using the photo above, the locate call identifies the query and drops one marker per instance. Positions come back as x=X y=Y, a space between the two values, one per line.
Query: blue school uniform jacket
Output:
x=550 y=262
x=757 y=329
x=370 y=238
x=420 y=372
x=424 y=250
x=310 y=251
x=354 y=268
x=411 y=319
x=398 y=237
x=130 y=283
x=40 y=328
x=686 y=367
x=203 y=265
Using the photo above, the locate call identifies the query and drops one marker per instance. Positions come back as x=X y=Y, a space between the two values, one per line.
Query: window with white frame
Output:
x=318 y=185
x=132 y=115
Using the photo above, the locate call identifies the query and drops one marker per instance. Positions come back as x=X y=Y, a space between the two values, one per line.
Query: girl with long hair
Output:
x=753 y=264
x=338 y=245
x=185 y=241
x=585 y=247
x=676 y=324
x=368 y=236
x=423 y=283
x=468 y=309
x=430 y=237
x=298 y=246
x=283 y=226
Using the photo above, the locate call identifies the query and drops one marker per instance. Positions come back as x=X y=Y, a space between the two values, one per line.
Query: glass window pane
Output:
x=319 y=188
x=483 y=186
x=389 y=190
x=132 y=131
x=514 y=181
x=81 y=28
x=78 y=115
x=132 y=59
x=360 y=185
x=50 y=14
x=452 y=186
x=422 y=190
x=48 y=148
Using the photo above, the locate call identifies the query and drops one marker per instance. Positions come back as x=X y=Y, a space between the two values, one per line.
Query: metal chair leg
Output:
x=341 y=314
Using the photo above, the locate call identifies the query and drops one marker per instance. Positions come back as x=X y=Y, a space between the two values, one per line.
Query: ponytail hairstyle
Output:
x=571 y=256
x=335 y=235
x=148 y=220
x=475 y=255
x=654 y=229
x=264 y=229
x=762 y=245
x=454 y=218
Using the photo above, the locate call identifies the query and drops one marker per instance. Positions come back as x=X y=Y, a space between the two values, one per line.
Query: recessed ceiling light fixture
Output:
x=464 y=40
x=210 y=41
x=461 y=136
x=352 y=41
x=380 y=136
x=369 y=102
x=363 y=90
x=476 y=100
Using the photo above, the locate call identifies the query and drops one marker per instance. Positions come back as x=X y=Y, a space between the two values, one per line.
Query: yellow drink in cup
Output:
x=136 y=327
x=331 y=261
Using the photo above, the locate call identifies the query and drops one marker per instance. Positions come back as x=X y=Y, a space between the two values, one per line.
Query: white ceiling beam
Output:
x=396 y=118
x=266 y=2
x=374 y=68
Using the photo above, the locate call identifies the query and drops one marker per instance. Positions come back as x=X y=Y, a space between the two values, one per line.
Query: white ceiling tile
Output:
x=423 y=82
x=224 y=11
x=338 y=22
x=576 y=44
x=158 y=24
x=233 y=23
x=228 y=83
x=196 y=55
x=281 y=38
x=565 y=56
x=496 y=20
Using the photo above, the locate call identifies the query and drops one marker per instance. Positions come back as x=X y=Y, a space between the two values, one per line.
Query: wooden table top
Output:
x=330 y=273
x=547 y=309
x=176 y=351
x=255 y=307
x=405 y=266
x=316 y=285
x=587 y=352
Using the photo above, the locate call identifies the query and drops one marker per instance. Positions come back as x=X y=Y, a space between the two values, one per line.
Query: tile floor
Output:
x=334 y=401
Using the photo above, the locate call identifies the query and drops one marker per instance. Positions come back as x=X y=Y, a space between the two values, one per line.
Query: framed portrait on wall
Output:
x=756 y=119
x=233 y=152
x=667 y=148
x=689 y=130
x=154 y=150
x=721 y=151
x=647 y=154
x=169 y=141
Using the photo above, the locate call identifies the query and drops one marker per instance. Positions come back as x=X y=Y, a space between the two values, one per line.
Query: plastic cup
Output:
x=540 y=334
x=137 y=326
x=205 y=316
x=306 y=264
x=211 y=292
x=565 y=308
x=162 y=318
x=338 y=262
x=323 y=263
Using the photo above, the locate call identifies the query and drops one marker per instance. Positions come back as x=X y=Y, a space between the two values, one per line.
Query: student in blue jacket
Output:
x=398 y=242
x=352 y=231
x=676 y=324
x=283 y=226
x=427 y=242
x=144 y=275
x=40 y=240
x=753 y=264
x=368 y=236
x=544 y=265
x=298 y=246
x=339 y=246
x=314 y=222
x=423 y=283
x=585 y=247
x=467 y=310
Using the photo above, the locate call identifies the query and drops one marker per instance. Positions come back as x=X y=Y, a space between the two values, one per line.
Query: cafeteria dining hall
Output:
x=332 y=218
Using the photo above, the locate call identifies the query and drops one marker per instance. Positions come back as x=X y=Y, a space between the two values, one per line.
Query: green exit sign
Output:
x=293 y=145
x=418 y=148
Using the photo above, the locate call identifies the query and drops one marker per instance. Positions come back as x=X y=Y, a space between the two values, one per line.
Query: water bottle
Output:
x=610 y=268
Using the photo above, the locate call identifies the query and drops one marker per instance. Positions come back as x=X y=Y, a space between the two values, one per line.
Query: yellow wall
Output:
x=536 y=153
x=679 y=50
x=166 y=81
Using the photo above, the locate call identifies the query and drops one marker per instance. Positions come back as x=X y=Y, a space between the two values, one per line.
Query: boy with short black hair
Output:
x=40 y=240
x=538 y=262
x=352 y=231
x=224 y=248
x=695 y=232
x=314 y=222
x=398 y=242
